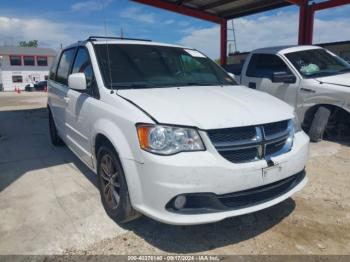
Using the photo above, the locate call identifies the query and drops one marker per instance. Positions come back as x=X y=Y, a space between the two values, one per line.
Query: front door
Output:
x=80 y=106
x=259 y=76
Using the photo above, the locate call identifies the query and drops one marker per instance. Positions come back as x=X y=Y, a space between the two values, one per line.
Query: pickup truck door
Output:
x=258 y=75
x=79 y=112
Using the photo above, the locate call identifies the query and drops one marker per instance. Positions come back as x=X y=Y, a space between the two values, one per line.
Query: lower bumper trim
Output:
x=201 y=203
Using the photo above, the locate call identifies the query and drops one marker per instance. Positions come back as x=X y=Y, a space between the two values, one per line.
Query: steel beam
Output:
x=329 y=4
x=181 y=10
x=216 y=4
x=223 y=42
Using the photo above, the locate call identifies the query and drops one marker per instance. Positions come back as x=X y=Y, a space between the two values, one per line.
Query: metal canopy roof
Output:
x=229 y=8
x=220 y=11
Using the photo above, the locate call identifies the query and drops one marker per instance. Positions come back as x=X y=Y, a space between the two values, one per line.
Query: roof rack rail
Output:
x=92 y=38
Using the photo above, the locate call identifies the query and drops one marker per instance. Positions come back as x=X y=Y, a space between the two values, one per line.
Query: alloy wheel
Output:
x=110 y=181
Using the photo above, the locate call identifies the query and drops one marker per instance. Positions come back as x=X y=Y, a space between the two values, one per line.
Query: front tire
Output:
x=113 y=187
x=319 y=124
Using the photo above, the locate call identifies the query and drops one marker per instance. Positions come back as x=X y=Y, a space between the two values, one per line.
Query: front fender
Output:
x=125 y=143
x=341 y=100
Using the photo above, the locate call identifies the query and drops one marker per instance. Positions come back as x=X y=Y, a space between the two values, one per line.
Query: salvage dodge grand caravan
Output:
x=170 y=134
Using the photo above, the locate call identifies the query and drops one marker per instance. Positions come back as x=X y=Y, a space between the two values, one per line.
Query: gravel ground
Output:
x=315 y=221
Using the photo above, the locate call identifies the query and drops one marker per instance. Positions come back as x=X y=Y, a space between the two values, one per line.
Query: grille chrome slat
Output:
x=257 y=143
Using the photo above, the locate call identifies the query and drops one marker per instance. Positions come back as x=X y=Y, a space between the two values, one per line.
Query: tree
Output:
x=31 y=43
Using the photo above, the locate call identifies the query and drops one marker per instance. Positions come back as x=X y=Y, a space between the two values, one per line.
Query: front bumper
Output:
x=154 y=183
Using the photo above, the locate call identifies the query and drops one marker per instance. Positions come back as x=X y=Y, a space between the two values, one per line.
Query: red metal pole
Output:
x=302 y=23
x=309 y=25
x=223 y=42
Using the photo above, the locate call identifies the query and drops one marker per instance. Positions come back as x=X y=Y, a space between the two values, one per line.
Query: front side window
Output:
x=17 y=79
x=41 y=60
x=143 y=66
x=82 y=64
x=64 y=66
x=15 y=60
x=264 y=65
x=317 y=63
x=28 y=60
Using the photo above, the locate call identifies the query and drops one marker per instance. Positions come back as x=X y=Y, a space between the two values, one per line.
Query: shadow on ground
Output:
x=199 y=238
x=25 y=146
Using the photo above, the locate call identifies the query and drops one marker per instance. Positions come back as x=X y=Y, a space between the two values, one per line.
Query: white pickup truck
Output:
x=313 y=80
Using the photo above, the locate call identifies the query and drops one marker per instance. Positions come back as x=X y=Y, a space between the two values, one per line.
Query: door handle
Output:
x=252 y=85
x=66 y=99
x=307 y=90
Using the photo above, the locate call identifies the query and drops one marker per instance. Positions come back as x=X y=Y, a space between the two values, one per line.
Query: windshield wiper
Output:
x=201 y=84
x=132 y=85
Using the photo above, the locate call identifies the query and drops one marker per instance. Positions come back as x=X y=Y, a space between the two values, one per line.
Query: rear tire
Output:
x=113 y=187
x=319 y=124
x=55 y=139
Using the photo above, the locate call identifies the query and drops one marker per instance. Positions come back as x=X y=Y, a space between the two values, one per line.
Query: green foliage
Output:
x=31 y=43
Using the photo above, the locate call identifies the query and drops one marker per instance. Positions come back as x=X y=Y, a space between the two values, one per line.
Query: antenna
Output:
x=232 y=40
x=107 y=49
x=121 y=33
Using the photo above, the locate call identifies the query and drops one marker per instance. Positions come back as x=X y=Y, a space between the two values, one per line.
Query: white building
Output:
x=20 y=66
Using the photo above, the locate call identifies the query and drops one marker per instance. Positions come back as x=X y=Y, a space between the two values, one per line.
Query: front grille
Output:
x=242 y=155
x=275 y=128
x=251 y=143
x=226 y=135
x=273 y=148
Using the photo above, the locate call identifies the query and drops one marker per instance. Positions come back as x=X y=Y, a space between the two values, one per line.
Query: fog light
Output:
x=180 y=202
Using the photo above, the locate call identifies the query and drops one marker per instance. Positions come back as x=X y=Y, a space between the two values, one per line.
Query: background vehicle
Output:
x=40 y=86
x=169 y=133
x=311 y=79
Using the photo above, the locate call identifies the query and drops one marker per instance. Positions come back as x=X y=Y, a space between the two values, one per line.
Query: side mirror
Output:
x=231 y=75
x=77 y=81
x=283 y=77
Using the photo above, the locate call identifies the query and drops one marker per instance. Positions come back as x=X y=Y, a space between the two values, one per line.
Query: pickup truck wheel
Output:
x=55 y=139
x=319 y=124
x=113 y=188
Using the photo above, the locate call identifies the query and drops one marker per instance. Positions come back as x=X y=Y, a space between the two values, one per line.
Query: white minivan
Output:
x=170 y=134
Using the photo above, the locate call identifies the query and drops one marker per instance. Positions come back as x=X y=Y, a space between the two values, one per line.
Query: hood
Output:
x=341 y=80
x=209 y=107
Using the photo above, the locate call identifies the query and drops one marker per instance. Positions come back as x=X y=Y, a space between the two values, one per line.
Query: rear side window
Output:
x=64 y=66
x=263 y=65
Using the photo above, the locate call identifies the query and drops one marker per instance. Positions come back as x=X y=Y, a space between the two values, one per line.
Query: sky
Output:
x=66 y=21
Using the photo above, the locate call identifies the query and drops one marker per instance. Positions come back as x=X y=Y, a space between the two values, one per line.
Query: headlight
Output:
x=168 y=140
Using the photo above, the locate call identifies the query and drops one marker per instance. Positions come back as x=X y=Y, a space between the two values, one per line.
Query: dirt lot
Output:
x=49 y=203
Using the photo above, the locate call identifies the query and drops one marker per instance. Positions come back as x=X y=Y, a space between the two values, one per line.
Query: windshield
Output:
x=125 y=66
x=317 y=63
